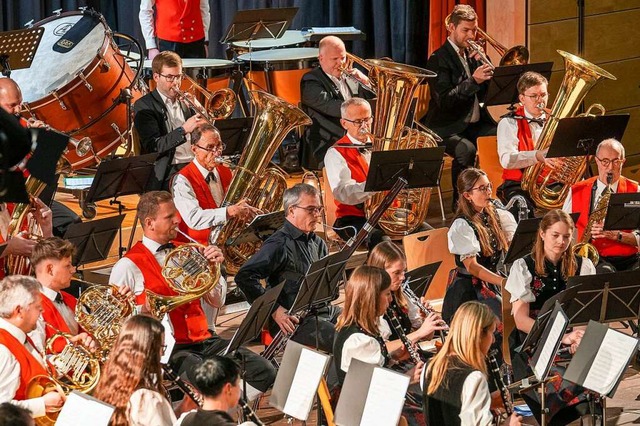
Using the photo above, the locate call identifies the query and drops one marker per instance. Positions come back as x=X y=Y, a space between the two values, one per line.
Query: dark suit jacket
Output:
x=321 y=100
x=452 y=92
x=152 y=123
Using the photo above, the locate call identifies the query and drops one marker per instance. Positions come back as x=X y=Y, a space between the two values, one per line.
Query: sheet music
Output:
x=385 y=398
x=80 y=406
x=169 y=340
x=547 y=353
x=334 y=30
x=305 y=383
x=610 y=361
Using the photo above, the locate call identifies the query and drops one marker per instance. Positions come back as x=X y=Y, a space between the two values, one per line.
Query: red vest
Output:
x=525 y=143
x=189 y=320
x=359 y=169
x=52 y=316
x=581 y=202
x=204 y=197
x=179 y=21
x=29 y=365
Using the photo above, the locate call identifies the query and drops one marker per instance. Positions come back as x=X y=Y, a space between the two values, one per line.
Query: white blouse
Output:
x=519 y=280
x=147 y=407
x=364 y=347
x=463 y=241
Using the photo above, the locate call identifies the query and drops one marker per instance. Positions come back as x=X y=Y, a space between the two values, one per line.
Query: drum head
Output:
x=281 y=55
x=51 y=70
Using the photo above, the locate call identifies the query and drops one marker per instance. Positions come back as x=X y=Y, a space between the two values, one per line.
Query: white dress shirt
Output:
x=125 y=272
x=67 y=314
x=343 y=87
x=344 y=188
x=462 y=239
x=147 y=21
x=187 y=203
x=147 y=407
x=183 y=154
x=10 y=372
x=475 y=115
x=509 y=154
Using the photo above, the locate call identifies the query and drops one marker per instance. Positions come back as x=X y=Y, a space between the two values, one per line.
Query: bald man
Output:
x=323 y=90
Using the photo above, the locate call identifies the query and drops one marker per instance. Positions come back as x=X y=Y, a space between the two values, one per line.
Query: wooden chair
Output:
x=427 y=247
x=508 y=325
x=489 y=161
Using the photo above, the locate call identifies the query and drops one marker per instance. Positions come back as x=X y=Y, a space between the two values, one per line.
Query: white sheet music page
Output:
x=80 y=406
x=557 y=329
x=610 y=361
x=305 y=384
x=385 y=398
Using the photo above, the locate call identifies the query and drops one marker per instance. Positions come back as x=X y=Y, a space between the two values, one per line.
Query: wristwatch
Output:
x=619 y=236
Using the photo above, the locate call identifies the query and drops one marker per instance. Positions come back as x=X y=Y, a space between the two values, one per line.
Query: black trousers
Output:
x=511 y=188
x=195 y=49
x=309 y=332
x=352 y=225
x=463 y=148
x=260 y=373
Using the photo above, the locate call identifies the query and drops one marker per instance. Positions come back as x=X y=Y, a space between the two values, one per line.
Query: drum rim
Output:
x=263 y=52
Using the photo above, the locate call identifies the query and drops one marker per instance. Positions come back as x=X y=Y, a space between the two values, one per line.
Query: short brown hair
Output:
x=165 y=59
x=530 y=79
x=149 y=203
x=201 y=129
x=461 y=12
x=52 y=248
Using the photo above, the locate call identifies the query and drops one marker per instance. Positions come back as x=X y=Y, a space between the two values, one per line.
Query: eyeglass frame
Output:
x=361 y=122
x=606 y=161
x=537 y=96
x=484 y=188
x=172 y=77
x=218 y=148
x=311 y=209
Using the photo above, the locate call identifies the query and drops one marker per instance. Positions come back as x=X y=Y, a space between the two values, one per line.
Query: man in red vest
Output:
x=199 y=188
x=20 y=360
x=180 y=26
x=141 y=269
x=517 y=137
x=618 y=249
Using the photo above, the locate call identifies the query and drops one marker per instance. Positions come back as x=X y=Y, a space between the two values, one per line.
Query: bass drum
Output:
x=81 y=91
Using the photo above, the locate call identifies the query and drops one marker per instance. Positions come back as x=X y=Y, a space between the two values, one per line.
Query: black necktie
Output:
x=211 y=177
x=168 y=246
x=58 y=298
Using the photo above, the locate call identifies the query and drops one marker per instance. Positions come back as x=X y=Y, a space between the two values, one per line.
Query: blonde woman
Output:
x=456 y=390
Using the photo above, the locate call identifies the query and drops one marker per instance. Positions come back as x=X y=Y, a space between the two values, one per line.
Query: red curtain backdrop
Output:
x=438 y=11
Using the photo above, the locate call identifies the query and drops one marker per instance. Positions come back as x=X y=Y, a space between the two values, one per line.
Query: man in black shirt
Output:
x=287 y=255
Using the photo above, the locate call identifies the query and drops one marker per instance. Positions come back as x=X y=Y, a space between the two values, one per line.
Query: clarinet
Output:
x=395 y=323
x=409 y=294
x=185 y=387
x=249 y=412
x=494 y=372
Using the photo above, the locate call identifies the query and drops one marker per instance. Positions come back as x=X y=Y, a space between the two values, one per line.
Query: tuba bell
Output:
x=396 y=84
x=539 y=180
x=263 y=187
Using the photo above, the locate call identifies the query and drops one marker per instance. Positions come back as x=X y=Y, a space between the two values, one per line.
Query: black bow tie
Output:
x=58 y=298
x=211 y=177
x=539 y=121
x=168 y=246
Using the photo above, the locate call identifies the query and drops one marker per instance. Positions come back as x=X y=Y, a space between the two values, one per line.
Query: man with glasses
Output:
x=322 y=92
x=618 y=249
x=199 y=188
x=285 y=256
x=163 y=122
x=517 y=137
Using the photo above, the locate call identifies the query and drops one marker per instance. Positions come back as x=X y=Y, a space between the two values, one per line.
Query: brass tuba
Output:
x=262 y=187
x=189 y=274
x=396 y=84
x=579 y=78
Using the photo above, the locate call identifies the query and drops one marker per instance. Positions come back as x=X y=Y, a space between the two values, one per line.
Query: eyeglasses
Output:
x=217 y=148
x=311 y=209
x=605 y=161
x=170 y=77
x=484 y=188
x=360 y=122
x=537 y=96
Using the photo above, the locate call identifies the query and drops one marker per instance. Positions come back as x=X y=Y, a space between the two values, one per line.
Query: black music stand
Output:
x=421 y=168
x=260 y=228
x=420 y=278
x=18 y=48
x=259 y=23
x=93 y=239
x=579 y=136
x=119 y=177
x=503 y=88
x=234 y=133
x=623 y=212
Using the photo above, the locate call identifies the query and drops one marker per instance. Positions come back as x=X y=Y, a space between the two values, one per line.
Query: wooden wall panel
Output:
x=607 y=6
x=506 y=22
x=546 y=38
x=605 y=42
x=551 y=10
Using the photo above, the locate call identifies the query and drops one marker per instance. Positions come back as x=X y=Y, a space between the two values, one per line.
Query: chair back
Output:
x=489 y=161
x=427 y=247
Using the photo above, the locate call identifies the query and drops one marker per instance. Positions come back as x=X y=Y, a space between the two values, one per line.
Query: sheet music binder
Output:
x=557 y=314
x=623 y=212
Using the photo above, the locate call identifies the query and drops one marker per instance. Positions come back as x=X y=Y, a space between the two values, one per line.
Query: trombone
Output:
x=217 y=106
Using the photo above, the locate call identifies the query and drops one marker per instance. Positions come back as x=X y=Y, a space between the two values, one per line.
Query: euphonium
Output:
x=542 y=183
x=274 y=118
x=101 y=310
x=584 y=248
x=217 y=106
x=189 y=274
x=396 y=85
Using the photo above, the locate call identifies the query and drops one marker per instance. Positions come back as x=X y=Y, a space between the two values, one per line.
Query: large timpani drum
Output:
x=215 y=72
x=79 y=91
x=290 y=38
x=279 y=71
